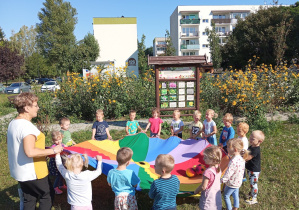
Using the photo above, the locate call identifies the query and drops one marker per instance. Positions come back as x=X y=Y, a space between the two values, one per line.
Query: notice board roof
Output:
x=177 y=60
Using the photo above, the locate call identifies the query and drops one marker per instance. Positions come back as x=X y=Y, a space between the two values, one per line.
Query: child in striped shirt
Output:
x=165 y=189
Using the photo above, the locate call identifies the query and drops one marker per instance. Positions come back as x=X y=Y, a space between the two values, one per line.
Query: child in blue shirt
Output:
x=177 y=125
x=100 y=129
x=132 y=125
x=165 y=189
x=228 y=131
x=123 y=181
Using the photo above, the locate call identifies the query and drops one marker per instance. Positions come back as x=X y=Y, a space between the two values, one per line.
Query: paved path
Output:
x=119 y=125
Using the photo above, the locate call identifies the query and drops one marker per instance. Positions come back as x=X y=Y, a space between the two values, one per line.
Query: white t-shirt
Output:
x=245 y=142
x=79 y=191
x=176 y=125
x=24 y=168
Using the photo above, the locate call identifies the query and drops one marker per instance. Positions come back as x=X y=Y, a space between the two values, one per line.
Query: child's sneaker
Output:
x=251 y=201
x=57 y=191
x=64 y=187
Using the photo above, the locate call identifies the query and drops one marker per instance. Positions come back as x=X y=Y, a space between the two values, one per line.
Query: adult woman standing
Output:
x=27 y=154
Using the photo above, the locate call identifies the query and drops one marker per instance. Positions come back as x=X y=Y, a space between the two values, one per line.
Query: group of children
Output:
x=165 y=189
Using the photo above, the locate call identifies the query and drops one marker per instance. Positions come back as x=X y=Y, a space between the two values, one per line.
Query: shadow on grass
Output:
x=11 y=197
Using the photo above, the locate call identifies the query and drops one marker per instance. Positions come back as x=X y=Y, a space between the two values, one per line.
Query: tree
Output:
x=11 y=63
x=149 y=51
x=24 y=41
x=85 y=51
x=215 y=47
x=37 y=66
x=55 y=33
x=170 y=50
x=142 y=58
x=2 y=35
x=257 y=35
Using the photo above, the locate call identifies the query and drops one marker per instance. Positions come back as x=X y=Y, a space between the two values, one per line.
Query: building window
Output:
x=219 y=17
x=205 y=46
x=161 y=49
x=220 y=29
x=205 y=20
x=188 y=53
x=161 y=43
x=240 y=15
x=204 y=33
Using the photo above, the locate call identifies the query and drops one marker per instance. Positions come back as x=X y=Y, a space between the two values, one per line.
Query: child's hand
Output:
x=110 y=137
x=99 y=157
x=220 y=145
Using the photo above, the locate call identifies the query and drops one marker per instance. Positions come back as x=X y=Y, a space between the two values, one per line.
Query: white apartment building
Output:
x=117 y=38
x=159 y=46
x=188 y=26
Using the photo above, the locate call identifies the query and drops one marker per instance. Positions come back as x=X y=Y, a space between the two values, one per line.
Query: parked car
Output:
x=43 y=80
x=30 y=81
x=2 y=88
x=18 y=87
x=50 y=86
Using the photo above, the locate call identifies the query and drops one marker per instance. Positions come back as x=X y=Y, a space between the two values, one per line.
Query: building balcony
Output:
x=226 y=33
x=190 y=35
x=221 y=21
x=189 y=46
x=189 y=21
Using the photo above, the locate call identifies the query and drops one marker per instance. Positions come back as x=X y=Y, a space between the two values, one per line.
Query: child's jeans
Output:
x=58 y=181
x=253 y=178
x=21 y=197
x=154 y=134
x=228 y=191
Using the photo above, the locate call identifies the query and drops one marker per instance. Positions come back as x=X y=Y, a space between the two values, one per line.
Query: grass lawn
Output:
x=5 y=106
x=278 y=183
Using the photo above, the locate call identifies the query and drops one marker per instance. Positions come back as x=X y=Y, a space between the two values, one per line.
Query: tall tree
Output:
x=170 y=50
x=2 y=35
x=11 y=63
x=37 y=66
x=56 y=37
x=24 y=41
x=85 y=51
x=149 y=51
x=215 y=47
x=142 y=58
x=257 y=35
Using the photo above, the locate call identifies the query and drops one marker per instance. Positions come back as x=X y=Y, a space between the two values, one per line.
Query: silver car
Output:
x=50 y=86
x=16 y=88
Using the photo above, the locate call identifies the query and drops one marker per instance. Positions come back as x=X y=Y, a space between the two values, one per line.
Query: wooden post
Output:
x=197 y=87
x=157 y=87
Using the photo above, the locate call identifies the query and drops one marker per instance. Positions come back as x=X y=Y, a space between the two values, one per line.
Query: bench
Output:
x=11 y=98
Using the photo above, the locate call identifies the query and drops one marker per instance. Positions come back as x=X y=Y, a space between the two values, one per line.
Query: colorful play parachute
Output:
x=186 y=153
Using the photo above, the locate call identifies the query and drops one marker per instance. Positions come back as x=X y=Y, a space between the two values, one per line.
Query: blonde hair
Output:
x=156 y=109
x=132 y=111
x=214 y=114
x=214 y=154
x=237 y=144
x=177 y=111
x=24 y=99
x=99 y=111
x=124 y=155
x=55 y=135
x=197 y=113
x=244 y=127
x=259 y=134
x=75 y=161
x=165 y=161
x=63 y=120
x=228 y=117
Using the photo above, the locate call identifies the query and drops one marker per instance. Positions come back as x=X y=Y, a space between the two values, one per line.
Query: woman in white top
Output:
x=27 y=154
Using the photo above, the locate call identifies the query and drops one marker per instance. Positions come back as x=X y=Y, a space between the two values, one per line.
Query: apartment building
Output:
x=188 y=26
x=159 y=46
x=117 y=38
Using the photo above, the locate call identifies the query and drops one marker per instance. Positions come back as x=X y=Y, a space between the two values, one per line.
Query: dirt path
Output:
x=119 y=125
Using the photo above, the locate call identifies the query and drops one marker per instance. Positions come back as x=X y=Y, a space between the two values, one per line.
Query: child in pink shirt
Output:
x=234 y=173
x=155 y=123
x=210 y=187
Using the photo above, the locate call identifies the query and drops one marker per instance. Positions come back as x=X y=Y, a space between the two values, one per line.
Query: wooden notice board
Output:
x=177 y=80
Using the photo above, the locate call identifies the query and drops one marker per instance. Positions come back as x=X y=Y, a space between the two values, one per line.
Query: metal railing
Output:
x=189 y=21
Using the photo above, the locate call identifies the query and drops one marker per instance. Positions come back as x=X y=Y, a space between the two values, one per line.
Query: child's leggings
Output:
x=253 y=178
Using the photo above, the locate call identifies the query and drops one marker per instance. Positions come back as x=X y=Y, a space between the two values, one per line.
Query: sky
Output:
x=153 y=16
